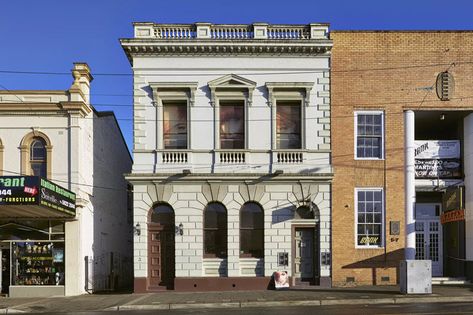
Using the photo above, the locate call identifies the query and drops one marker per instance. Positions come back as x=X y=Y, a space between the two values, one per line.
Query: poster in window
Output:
x=58 y=255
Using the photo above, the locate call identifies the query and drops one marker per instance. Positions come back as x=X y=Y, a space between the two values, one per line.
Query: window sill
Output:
x=369 y=247
x=369 y=159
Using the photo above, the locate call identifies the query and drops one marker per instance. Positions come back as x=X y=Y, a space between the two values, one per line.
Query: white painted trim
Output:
x=369 y=112
x=383 y=215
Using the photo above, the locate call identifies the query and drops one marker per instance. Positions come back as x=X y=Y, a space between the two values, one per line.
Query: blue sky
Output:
x=49 y=35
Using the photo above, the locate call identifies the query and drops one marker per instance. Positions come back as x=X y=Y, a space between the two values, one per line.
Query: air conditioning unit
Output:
x=416 y=276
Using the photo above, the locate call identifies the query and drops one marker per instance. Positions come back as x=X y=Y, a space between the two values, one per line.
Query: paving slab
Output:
x=233 y=299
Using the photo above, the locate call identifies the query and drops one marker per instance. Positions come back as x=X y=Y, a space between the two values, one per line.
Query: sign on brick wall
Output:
x=437 y=159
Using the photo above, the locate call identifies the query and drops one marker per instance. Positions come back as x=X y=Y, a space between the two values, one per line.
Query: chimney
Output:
x=80 y=88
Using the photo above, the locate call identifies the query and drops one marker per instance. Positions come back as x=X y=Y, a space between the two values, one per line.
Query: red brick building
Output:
x=401 y=140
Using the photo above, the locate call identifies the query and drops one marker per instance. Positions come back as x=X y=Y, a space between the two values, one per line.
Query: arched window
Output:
x=164 y=215
x=38 y=160
x=36 y=154
x=304 y=212
x=251 y=230
x=215 y=230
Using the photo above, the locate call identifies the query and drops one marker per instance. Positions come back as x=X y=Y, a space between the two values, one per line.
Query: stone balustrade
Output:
x=253 y=31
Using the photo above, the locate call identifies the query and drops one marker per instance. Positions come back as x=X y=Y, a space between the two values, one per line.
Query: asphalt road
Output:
x=421 y=309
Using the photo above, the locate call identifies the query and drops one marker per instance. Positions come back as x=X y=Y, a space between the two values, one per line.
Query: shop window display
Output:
x=38 y=263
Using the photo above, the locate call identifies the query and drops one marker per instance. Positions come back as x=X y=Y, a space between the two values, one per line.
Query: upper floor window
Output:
x=369 y=217
x=251 y=230
x=288 y=125
x=175 y=125
x=369 y=132
x=232 y=124
x=215 y=230
x=38 y=157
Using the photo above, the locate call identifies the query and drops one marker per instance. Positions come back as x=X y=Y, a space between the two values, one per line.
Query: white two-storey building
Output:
x=65 y=224
x=232 y=173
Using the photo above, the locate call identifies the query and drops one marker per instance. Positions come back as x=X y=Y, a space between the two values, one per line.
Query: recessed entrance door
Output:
x=429 y=236
x=304 y=254
x=161 y=253
x=5 y=269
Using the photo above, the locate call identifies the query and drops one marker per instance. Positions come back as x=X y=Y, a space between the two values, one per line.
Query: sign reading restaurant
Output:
x=437 y=159
x=34 y=190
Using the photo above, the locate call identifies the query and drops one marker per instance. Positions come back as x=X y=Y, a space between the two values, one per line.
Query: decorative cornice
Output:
x=139 y=178
x=38 y=107
x=153 y=47
x=82 y=108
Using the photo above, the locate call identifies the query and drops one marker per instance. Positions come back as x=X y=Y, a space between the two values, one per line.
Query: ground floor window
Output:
x=33 y=252
x=369 y=217
x=37 y=263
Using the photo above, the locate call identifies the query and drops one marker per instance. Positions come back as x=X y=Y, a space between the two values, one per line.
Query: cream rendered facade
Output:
x=87 y=155
x=206 y=66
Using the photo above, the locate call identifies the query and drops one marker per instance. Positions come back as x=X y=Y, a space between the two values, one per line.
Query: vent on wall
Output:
x=445 y=86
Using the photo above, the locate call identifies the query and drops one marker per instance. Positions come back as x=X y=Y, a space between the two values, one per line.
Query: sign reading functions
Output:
x=19 y=190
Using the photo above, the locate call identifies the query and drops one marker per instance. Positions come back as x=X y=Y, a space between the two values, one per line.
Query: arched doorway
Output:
x=161 y=253
x=306 y=245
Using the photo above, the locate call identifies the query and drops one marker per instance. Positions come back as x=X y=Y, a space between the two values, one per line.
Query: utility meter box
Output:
x=416 y=276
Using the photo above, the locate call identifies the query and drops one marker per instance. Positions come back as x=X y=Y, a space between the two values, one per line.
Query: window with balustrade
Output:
x=288 y=125
x=215 y=231
x=232 y=124
x=251 y=230
x=369 y=131
x=175 y=124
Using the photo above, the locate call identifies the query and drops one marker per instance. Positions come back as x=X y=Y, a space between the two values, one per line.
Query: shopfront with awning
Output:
x=33 y=213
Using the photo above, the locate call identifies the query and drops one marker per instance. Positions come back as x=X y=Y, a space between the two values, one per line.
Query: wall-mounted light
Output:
x=181 y=229
x=442 y=116
x=137 y=229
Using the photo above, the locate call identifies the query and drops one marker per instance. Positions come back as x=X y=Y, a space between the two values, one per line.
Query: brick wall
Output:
x=387 y=71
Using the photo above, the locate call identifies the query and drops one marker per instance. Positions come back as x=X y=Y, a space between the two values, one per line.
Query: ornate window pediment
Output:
x=174 y=90
x=232 y=84
x=289 y=90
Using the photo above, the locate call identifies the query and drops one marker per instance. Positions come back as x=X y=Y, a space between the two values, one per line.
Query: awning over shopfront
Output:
x=34 y=197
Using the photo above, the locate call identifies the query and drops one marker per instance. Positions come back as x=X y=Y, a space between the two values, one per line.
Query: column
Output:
x=468 y=169
x=410 y=186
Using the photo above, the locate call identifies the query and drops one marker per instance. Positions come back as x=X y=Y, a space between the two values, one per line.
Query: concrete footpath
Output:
x=233 y=299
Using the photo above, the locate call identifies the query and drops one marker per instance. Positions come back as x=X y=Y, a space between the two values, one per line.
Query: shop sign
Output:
x=452 y=216
x=34 y=190
x=19 y=190
x=281 y=279
x=56 y=197
x=438 y=168
x=437 y=149
x=368 y=240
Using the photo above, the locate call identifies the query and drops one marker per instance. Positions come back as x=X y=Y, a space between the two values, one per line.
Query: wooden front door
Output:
x=160 y=257
x=304 y=258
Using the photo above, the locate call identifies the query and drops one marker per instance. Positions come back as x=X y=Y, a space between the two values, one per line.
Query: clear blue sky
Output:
x=49 y=35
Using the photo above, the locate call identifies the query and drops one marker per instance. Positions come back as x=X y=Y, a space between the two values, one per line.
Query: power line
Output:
x=7 y=71
x=69 y=182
